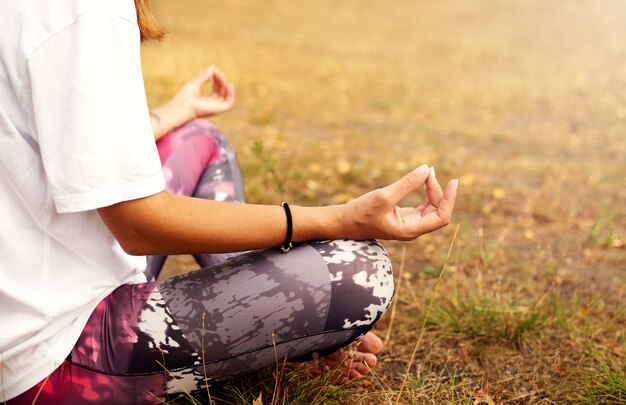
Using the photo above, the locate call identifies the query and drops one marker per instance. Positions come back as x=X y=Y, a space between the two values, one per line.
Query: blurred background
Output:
x=524 y=101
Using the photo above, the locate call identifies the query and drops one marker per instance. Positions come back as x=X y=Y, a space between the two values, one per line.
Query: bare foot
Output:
x=351 y=362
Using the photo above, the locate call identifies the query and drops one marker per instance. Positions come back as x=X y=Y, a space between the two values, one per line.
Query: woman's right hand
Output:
x=377 y=215
x=190 y=102
x=199 y=105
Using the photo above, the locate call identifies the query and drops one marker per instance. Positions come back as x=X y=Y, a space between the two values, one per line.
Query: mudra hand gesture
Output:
x=220 y=99
x=190 y=102
x=376 y=214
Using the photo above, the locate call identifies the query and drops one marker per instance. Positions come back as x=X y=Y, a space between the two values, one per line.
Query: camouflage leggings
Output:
x=148 y=342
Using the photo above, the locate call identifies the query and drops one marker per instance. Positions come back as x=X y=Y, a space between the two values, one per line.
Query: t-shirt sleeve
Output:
x=90 y=115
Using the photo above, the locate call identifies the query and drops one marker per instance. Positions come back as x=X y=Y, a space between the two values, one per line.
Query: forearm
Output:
x=170 y=224
x=168 y=117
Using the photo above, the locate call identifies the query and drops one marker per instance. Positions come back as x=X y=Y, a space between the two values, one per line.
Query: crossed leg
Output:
x=148 y=342
x=198 y=160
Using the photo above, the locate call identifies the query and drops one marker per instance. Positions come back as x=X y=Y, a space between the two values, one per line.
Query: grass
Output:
x=602 y=232
x=605 y=382
x=520 y=100
x=602 y=381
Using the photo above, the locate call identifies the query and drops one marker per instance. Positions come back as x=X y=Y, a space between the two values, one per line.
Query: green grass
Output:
x=488 y=319
x=606 y=384
x=605 y=225
x=601 y=381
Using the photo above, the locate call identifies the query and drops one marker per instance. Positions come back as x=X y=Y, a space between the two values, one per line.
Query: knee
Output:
x=362 y=282
x=203 y=126
x=223 y=142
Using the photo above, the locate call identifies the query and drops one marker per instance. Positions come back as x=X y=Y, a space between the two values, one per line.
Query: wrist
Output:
x=182 y=110
x=174 y=113
x=337 y=221
x=317 y=223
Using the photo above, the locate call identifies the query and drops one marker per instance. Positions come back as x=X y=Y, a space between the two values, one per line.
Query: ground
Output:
x=523 y=101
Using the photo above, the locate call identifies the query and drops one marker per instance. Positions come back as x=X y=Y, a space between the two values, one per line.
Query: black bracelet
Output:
x=285 y=247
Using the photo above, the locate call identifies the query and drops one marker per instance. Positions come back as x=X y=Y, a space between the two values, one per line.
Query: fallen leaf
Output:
x=482 y=398
x=315 y=168
x=488 y=207
x=312 y=185
x=401 y=166
x=467 y=179
x=259 y=400
x=343 y=166
x=498 y=193
x=530 y=234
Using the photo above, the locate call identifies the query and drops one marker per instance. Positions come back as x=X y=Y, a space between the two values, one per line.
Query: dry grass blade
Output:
x=2 y=378
x=258 y=400
x=430 y=305
x=278 y=375
x=206 y=380
x=157 y=398
x=395 y=302
x=325 y=380
x=191 y=397
x=39 y=391
x=384 y=390
x=167 y=394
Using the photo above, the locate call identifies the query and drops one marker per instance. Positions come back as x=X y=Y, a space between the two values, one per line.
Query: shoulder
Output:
x=35 y=21
x=26 y=26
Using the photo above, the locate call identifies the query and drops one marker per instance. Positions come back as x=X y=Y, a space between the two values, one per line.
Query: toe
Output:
x=368 y=358
x=370 y=343
x=360 y=367
x=354 y=375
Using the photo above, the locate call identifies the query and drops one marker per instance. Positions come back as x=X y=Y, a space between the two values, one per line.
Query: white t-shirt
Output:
x=74 y=136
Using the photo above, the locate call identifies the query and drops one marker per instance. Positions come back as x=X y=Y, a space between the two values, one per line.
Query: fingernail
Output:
x=456 y=183
x=432 y=171
x=422 y=170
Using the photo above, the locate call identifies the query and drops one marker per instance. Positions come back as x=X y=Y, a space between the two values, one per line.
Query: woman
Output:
x=85 y=198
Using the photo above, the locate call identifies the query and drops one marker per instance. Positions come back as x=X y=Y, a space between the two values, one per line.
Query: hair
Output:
x=148 y=26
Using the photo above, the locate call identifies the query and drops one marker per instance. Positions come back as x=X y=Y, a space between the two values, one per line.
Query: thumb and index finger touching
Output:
x=205 y=76
x=408 y=184
x=423 y=175
x=212 y=73
x=221 y=87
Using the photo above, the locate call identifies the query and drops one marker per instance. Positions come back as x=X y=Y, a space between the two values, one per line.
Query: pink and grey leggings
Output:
x=148 y=342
